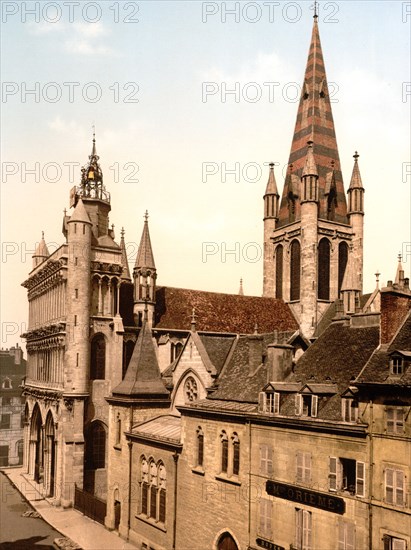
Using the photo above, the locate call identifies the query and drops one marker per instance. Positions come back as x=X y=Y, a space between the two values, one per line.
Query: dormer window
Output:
x=272 y=403
x=397 y=366
x=306 y=405
x=349 y=409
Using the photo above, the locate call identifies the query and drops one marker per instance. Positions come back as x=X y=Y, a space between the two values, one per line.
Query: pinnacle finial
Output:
x=241 y=291
x=399 y=257
x=42 y=234
x=377 y=277
x=122 y=232
x=193 y=319
x=356 y=156
x=146 y=216
x=315 y=7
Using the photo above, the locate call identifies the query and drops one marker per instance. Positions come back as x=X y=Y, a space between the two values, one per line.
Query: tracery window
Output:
x=190 y=389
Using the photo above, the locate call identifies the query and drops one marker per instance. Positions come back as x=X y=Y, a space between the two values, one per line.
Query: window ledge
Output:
x=152 y=522
x=233 y=480
x=198 y=470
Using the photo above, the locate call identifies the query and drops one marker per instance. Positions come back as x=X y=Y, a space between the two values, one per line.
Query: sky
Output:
x=190 y=102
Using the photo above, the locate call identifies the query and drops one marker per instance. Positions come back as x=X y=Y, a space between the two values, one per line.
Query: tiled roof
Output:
x=221 y=312
x=237 y=382
x=377 y=368
x=166 y=427
x=217 y=348
x=223 y=405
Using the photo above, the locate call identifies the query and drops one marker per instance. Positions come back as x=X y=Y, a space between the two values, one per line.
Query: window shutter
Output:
x=390 y=421
x=307 y=467
x=262 y=516
x=269 y=461
x=350 y=543
x=360 y=479
x=276 y=403
x=333 y=474
x=298 y=528
x=263 y=459
x=398 y=544
x=299 y=460
x=314 y=405
x=306 y=530
x=341 y=536
x=399 y=488
x=261 y=401
x=269 y=513
x=389 y=485
x=298 y=404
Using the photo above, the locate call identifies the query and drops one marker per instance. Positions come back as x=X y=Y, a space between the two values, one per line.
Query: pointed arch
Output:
x=279 y=253
x=98 y=357
x=295 y=270
x=342 y=263
x=95 y=456
x=36 y=444
x=226 y=541
x=324 y=256
x=50 y=458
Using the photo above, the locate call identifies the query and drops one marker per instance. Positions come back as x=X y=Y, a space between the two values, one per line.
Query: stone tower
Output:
x=307 y=240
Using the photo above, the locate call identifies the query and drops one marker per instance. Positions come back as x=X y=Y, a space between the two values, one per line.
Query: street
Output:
x=16 y=531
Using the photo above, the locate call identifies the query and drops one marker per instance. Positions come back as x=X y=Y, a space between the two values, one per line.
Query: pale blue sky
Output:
x=171 y=131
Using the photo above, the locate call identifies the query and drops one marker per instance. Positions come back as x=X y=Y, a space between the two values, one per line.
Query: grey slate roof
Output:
x=166 y=427
x=143 y=376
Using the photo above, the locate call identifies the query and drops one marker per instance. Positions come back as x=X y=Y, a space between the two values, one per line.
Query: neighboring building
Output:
x=188 y=419
x=12 y=373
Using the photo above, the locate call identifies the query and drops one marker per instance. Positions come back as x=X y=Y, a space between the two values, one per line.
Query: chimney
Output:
x=255 y=352
x=395 y=305
x=280 y=361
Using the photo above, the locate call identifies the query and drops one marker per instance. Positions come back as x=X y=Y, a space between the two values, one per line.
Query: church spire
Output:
x=124 y=262
x=314 y=123
x=145 y=275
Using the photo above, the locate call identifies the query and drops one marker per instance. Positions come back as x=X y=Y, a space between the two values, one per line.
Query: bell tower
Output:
x=308 y=240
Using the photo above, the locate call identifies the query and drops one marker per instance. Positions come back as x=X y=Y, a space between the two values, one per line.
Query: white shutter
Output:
x=399 y=488
x=261 y=401
x=276 y=403
x=298 y=404
x=341 y=536
x=269 y=460
x=263 y=459
x=307 y=467
x=262 y=516
x=389 y=485
x=299 y=469
x=298 y=529
x=332 y=476
x=306 y=530
x=314 y=405
x=398 y=544
x=360 y=479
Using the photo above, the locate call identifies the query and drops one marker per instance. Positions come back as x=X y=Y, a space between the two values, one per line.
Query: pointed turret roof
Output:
x=41 y=250
x=145 y=257
x=399 y=277
x=315 y=123
x=80 y=214
x=124 y=262
x=143 y=376
x=356 y=182
x=310 y=168
x=351 y=279
x=271 y=188
x=241 y=291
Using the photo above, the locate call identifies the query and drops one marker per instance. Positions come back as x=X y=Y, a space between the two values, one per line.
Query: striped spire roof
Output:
x=314 y=123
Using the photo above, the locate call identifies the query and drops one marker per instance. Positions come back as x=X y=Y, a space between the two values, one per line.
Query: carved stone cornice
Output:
x=56 y=330
x=53 y=281
x=51 y=268
x=50 y=396
x=106 y=268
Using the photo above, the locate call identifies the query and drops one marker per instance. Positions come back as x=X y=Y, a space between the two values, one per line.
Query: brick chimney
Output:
x=395 y=304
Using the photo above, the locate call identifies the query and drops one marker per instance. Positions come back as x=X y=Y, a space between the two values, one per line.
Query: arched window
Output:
x=190 y=390
x=98 y=358
x=224 y=452
x=324 y=253
x=153 y=489
x=342 y=263
x=144 y=486
x=236 y=454
x=162 y=486
x=295 y=267
x=279 y=271
x=118 y=430
x=200 y=447
x=96 y=447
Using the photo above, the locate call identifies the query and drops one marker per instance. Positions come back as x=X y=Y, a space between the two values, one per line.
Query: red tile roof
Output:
x=217 y=312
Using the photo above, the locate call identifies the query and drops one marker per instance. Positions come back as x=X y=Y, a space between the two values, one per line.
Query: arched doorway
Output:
x=50 y=458
x=226 y=542
x=117 y=510
x=36 y=444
